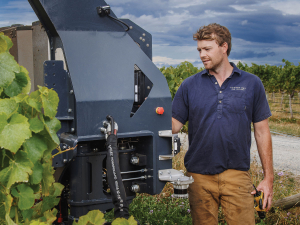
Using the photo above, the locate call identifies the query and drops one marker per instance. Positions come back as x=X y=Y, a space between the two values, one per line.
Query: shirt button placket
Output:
x=220 y=104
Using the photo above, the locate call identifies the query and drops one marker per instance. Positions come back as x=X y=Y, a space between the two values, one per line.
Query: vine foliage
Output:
x=28 y=192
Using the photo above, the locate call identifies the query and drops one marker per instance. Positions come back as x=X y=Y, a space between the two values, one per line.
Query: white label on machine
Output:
x=175 y=145
x=135 y=88
x=136 y=98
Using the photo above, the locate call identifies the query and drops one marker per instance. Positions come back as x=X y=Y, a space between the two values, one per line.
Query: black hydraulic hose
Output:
x=114 y=178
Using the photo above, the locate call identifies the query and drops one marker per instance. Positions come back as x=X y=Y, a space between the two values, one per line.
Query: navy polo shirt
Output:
x=220 y=119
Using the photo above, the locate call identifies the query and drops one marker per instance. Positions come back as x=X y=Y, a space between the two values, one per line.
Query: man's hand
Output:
x=176 y=126
x=266 y=186
x=264 y=146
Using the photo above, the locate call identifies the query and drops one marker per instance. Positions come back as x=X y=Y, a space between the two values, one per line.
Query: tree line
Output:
x=284 y=79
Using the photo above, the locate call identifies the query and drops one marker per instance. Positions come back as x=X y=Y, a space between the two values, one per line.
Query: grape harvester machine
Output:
x=115 y=106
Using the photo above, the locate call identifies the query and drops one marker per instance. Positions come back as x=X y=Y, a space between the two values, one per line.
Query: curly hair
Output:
x=215 y=32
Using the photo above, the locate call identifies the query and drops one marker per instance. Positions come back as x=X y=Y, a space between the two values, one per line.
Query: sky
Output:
x=263 y=32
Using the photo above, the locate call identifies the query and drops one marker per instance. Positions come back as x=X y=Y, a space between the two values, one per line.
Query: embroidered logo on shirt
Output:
x=238 y=88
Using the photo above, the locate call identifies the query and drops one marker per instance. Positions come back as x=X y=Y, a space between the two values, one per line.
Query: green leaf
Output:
x=120 y=221
x=9 y=43
x=8 y=68
x=49 y=100
x=49 y=133
x=35 y=101
x=52 y=200
x=20 y=84
x=21 y=97
x=50 y=216
x=132 y=221
x=3 y=44
x=35 y=147
x=36 y=125
x=93 y=217
x=48 y=178
x=25 y=195
x=18 y=170
x=17 y=129
x=8 y=106
x=3 y=121
x=37 y=173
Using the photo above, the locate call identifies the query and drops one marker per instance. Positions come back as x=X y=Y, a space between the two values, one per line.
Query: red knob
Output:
x=160 y=110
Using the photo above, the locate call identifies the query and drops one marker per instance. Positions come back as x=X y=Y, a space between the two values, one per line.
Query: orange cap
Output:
x=160 y=110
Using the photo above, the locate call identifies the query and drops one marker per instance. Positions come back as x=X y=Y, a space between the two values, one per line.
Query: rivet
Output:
x=71 y=91
x=130 y=27
x=144 y=34
x=147 y=45
x=69 y=110
x=72 y=129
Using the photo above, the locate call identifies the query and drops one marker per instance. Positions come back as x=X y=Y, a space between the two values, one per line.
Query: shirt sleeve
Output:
x=261 y=109
x=180 y=106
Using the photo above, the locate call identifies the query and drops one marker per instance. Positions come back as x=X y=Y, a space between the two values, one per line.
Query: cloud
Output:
x=243 y=8
x=250 y=54
x=244 y=22
x=286 y=7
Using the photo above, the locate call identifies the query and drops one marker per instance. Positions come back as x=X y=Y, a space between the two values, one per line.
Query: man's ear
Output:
x=224 y=47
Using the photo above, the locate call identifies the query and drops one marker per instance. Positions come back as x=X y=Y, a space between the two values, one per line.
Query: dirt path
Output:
x=286 y=153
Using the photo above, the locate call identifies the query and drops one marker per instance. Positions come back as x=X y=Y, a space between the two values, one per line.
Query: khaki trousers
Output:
x=230 y=190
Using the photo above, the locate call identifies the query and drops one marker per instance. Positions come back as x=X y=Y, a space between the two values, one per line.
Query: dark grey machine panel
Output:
x=101 y=59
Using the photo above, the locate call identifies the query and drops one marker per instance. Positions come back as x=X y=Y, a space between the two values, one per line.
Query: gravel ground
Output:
x=286 y=152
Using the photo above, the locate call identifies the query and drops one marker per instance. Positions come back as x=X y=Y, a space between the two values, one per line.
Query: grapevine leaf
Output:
x=2 y=203
x=132 y=221
x=3 y=44
x=120 y=221
x=56 y=189
x=93 y=217
x=50 y=201
x=36 y=125
x=18 y=170
x=25 y=195
x=35 y=147
x=35 y=101
x=48 y=178
x=37 y=173
x=21 y=84
x=27 y=214
x=49 y=216
x=36 y=189
x=49 y=133
x=17 y=129
x=8 y=68
x=5 y=205
x=21 y=97
x=9 y=221
x=8 y=106
x=50 y=101
x=9 y=43
x=37 y=222
x=12 y=213
x=3 y=121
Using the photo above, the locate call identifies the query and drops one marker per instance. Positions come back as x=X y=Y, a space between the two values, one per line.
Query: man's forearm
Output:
x=264 y=146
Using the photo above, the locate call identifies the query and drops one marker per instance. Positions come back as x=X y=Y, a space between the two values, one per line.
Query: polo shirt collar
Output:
x=235 y=70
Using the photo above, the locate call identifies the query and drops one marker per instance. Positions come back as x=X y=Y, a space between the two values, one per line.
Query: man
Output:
x=220 y=103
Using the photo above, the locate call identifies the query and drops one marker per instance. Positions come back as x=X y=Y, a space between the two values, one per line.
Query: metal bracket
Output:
x=165 y=133
x=165 y=157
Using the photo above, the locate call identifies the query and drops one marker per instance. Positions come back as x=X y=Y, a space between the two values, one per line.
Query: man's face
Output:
x=211 y=53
